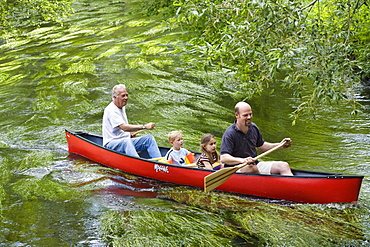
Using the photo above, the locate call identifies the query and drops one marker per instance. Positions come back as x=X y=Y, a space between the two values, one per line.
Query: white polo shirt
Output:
x=112 y=118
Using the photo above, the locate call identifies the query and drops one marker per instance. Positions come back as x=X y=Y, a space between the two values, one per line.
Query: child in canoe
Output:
x=178 y=155
x=210 y=158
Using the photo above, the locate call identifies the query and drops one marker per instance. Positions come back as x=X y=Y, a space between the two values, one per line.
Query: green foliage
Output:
x=228 y=220
x=35 y=159
x=45 y=189
x=279 y=226
x=158 y=228
x=159 y=7
x=42 y=185
x=5 y=176
x=318 y=51
x=18 y=14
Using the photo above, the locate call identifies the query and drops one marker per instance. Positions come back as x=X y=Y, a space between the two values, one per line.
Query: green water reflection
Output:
x=60 y=77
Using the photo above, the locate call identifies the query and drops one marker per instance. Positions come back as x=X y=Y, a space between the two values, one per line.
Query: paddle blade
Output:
x=215 y=179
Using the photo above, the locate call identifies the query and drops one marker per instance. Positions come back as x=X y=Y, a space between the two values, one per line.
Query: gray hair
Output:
x=114 y=90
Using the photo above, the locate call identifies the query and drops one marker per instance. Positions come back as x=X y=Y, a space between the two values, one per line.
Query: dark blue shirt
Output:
x=238 y=144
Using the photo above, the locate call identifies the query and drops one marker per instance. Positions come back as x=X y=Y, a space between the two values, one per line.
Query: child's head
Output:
x=208 y=143
x=175 y=138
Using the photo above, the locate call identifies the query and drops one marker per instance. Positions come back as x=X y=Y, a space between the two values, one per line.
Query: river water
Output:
x=55 y=78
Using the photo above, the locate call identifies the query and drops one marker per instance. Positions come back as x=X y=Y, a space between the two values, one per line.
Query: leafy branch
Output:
x=317 y=50
x=18 y=14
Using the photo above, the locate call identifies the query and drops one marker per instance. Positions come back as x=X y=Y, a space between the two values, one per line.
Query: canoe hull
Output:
x=305 y=186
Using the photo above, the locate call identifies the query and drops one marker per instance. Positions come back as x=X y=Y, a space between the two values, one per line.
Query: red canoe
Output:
x=304 y=186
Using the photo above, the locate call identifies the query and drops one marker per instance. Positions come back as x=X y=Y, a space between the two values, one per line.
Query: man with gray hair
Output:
x=117 y=131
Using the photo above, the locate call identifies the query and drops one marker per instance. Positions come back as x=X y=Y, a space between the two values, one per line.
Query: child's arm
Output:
x=168 y=157
x=207 y=165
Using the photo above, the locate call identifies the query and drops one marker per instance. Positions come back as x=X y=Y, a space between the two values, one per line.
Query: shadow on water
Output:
x=246 y=221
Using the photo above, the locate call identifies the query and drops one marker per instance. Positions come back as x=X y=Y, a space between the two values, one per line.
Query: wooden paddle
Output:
x=137 y=132
x=217 y=178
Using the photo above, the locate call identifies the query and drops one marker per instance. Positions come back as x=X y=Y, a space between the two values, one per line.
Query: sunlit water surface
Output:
x=60 y=77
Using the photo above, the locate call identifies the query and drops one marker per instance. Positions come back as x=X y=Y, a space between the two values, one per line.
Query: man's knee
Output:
x=249 y=169
x=148 y=138
x=284 y=165
x=282 y=168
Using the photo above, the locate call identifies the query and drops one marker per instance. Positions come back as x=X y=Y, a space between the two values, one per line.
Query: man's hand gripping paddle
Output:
x=217 y=178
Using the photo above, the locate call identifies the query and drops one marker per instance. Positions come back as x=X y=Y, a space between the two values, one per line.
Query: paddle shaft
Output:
x=137 y=132
x=215 y=179
x=270 y=151
x=261 y=155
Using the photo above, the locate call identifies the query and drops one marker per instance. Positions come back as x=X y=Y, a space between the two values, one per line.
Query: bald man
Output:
x=240 y=141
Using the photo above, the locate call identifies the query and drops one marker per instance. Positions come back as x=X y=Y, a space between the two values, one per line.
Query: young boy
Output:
x=177 y=154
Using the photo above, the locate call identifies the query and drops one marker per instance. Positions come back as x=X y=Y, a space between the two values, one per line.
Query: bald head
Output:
x=243 y=114
x=241 y=106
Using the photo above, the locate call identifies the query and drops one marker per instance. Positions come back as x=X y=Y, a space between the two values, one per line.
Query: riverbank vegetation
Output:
x=316 y=50
x=17 y=15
